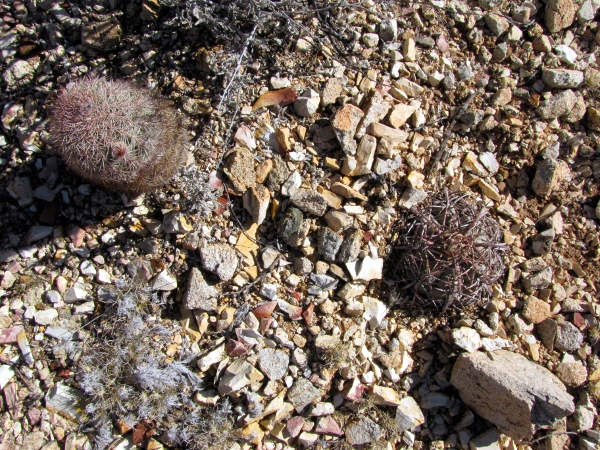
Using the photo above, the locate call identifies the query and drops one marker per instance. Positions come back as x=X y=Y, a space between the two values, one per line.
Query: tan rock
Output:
x=559 y=14
x=536 y=310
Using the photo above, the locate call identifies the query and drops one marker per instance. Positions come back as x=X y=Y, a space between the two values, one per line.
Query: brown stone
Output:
x=536 y=310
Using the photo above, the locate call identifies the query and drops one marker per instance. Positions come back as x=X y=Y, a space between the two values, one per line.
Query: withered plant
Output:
x=447 y=253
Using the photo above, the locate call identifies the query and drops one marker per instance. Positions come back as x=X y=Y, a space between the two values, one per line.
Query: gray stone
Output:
x=411 y=197
x=309 y=201
x=488 y=440
x=20 y=189
x=568 y=337
x=199 y=294
x=562 y=78
x=547 y=177
x=303 y=393
x=43 y=192
x=45 y=316
x=498 y=25
x=500 y=52
x=538 y=280
x=370 y=40
x=434 y=400
x=18 y=73
x=292 y=227
x=328 y=244
x=308 y=103
x=350 y=248
x=587 y=11
x=388 y=30
x=302 y=266
x=515 y=394
x=36 y=233
x=66 y=401
x=273 y=363
x=365 y=154
x=558 y=105
x=383 y=166
x=219 y=259
x=278 y=174
x=164 y=281
x=585 y=413
x=363 y=432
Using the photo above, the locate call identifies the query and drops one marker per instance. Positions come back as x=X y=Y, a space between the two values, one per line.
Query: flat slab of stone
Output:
x=515 y=394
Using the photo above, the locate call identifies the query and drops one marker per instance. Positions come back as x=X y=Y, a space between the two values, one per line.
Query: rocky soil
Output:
x=254 y=299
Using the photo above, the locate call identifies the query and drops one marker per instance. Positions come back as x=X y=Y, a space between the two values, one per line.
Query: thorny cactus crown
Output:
x=117 y=135
x=447 y=253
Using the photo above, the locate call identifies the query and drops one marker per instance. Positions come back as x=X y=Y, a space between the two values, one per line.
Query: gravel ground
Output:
x=277 y=293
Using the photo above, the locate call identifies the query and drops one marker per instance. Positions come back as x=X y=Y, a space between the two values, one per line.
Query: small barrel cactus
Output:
x=117 y=135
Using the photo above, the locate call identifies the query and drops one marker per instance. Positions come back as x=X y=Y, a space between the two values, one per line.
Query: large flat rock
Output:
x=515 y=394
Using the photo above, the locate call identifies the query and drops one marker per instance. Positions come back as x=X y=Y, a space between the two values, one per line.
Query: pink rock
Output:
x=294 y=425
x=327 y=425
x=235 y=348
x=264 y=310
x=76 y=235
x=308 y=314
x=9 y=335
x=354 y=391
x=442 y=44
x=265 y=324
x=294 y=312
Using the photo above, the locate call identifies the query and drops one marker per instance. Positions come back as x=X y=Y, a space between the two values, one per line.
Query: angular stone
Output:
x=497 y=24
x=239 y=168
x=338 y=220
x=548 y=175
x=199 y=294
x=408 y=87
x=362 y=162
x=402 y=112
x=256 y=202
x=568 y=338
x=538 y=280
x=66 y=401
x=536 y=310
x=278 y=174
x=332 y=90
x=219 y=259
x=376 y=108
x=309 y=201
x=164 y=281
x=293 y=228
x=363 y=432
x=350 y=248
x=394 y=136
x=408 y=415
x=308 y=103
x=562 y=78
x=273 y=363
x=347 y=191
x=559 y=14
x=558 y=105
x=36 y=233
x=303 y=393
x=412 y=197
x=328 y=244
x=466 y=338
x=344 y=125
x=385 y=396
x=515 y=394
x=366 y=269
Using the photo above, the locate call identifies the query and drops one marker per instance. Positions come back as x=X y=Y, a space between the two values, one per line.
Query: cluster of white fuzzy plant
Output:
x=129 y=380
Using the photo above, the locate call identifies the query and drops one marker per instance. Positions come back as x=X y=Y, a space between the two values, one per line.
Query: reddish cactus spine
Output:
x=117 y=135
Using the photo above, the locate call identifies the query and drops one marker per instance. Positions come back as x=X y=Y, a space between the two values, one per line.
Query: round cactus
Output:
x=117 y=135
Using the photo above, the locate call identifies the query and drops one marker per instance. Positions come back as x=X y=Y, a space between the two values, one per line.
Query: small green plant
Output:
x=117 y=135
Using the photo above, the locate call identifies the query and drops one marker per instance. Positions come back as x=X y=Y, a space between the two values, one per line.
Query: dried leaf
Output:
x=142 y=431
x=282 y=97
